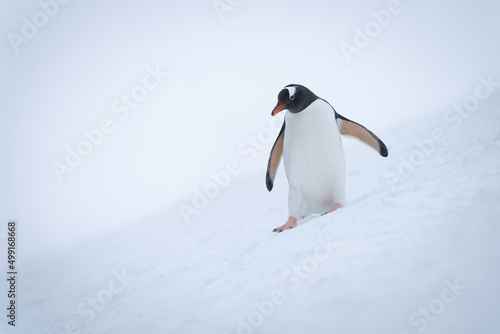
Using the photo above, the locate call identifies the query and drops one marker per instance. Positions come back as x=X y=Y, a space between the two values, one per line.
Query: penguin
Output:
x=312 y=151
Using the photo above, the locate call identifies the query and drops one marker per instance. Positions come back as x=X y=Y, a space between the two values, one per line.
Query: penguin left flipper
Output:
x=353 y=129
x=274 y=158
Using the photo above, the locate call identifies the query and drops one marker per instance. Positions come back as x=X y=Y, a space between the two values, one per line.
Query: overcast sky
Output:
x=205 y=78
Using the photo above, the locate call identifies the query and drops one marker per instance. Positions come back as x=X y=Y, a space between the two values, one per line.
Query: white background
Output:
x=224 y=79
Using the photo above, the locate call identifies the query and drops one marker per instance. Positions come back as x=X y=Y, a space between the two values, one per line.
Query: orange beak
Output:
x=277 y=109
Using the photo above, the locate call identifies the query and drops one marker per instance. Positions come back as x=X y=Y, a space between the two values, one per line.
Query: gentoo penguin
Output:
x=310 y=143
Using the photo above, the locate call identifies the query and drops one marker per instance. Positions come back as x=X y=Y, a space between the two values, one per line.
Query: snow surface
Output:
x=67 y=78
x=393 y=252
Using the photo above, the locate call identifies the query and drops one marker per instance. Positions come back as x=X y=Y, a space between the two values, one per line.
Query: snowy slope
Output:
x=419 y=255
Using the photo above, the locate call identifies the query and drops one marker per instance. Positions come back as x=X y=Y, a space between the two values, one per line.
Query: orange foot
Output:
x=290 y=223
x=333 y=208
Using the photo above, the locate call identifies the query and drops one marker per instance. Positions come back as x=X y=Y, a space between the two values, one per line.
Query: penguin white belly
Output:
x=314 y=160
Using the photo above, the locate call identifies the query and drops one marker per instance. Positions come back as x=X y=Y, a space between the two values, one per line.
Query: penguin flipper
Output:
x=353 y=129
x=274 y=158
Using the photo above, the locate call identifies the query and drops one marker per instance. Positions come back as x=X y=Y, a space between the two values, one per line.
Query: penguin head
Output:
x=294 y=98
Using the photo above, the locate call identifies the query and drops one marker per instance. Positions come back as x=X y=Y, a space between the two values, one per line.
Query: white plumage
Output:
x=314 y=160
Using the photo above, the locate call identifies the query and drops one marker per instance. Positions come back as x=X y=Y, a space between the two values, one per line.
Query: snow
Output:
x=166 y=145
x=418 y=233
x=419 y=255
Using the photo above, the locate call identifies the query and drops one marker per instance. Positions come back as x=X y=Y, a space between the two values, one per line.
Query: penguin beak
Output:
x=277 y=109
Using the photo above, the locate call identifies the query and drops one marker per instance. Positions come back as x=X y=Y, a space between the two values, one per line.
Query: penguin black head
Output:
x=294 y=98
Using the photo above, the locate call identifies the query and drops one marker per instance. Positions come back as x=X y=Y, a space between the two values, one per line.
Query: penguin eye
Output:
x=292 y=97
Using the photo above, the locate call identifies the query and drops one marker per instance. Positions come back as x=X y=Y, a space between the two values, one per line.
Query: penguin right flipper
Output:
x=353 y=129
x=274 y=158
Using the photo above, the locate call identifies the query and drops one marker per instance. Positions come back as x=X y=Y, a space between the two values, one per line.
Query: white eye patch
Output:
x=291 y=90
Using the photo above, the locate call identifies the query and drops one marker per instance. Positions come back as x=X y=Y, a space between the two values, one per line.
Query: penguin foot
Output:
x=290 y=223
x=333 y=208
